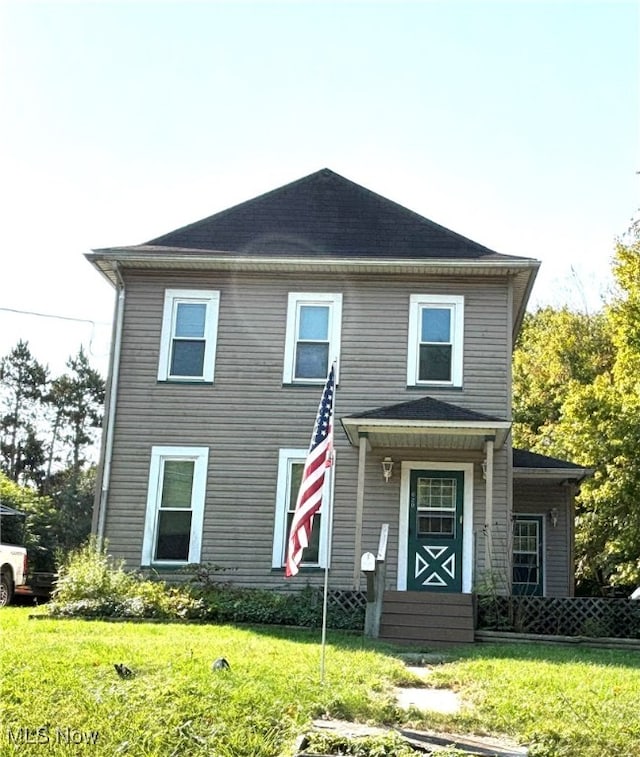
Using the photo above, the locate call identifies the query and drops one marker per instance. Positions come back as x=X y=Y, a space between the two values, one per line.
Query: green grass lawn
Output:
x=59 y=688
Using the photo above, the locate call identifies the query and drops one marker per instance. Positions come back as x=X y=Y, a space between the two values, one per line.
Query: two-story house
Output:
x=224 y=333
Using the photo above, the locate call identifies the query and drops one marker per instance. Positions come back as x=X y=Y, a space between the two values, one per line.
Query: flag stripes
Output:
x=309 y=500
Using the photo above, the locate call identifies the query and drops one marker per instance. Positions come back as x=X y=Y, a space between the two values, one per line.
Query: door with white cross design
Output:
x=435 y=531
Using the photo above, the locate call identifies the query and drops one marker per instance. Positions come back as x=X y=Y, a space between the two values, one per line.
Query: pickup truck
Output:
x=13 y=571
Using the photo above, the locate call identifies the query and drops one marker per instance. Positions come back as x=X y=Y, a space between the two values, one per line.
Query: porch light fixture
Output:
x=484 y=469
x=387 y=468
x=553 y=516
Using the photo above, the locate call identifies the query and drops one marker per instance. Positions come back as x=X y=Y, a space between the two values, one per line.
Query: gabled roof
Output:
x=532 y=465
x=324 y=214
x=425 y=422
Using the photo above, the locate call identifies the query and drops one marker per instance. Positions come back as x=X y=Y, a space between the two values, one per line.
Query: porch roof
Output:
x=532 y=465
x=425 y=422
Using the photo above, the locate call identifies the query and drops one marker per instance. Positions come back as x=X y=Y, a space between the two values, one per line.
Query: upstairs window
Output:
x=189 y=329
x=436 y=329
x=313 y=336
x=175 y=505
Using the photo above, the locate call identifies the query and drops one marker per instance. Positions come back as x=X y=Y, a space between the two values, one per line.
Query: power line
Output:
x=51 y=315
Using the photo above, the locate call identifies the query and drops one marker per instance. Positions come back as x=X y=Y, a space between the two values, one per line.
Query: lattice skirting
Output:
x=345 y=599
x=574 y=616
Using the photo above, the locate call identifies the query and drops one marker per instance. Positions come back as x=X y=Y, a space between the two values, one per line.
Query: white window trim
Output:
x=287 y=456
x=171 y=297
x=200 y=456
x=543 y=544
x=335 y=326
x=456 y=305
x=467 y=518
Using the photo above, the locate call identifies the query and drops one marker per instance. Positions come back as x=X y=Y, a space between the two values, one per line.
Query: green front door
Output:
x=435 y=531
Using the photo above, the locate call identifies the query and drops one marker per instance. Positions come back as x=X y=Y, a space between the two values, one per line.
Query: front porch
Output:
x=444 y=493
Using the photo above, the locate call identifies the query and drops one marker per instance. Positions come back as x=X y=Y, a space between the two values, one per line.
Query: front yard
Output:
x=62 y=696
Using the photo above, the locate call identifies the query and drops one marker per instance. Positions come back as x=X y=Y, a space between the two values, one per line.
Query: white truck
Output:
x=13 y=571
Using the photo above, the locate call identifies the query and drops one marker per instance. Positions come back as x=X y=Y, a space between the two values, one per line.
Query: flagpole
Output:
x=325 y=595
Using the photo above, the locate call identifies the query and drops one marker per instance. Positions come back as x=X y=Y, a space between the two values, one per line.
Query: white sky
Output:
x=513 y=123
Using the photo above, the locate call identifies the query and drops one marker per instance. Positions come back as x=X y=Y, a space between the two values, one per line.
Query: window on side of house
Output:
x=175 y=505
x=436 y=332
x=189 y=330
x=290 y=467
x=312 y=336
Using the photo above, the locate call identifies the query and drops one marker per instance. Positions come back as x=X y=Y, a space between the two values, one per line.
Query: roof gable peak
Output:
x=325 y=214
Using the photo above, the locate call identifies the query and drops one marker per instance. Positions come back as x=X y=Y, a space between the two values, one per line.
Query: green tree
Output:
x=23 y=383
x=49 y=433
x=76 y=401
x=558 y=351
x=577 y=396
x=600 y=425
x=72 y=495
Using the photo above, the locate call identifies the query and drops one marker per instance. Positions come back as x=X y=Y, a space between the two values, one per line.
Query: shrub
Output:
x=303 y=608
x=92 y=584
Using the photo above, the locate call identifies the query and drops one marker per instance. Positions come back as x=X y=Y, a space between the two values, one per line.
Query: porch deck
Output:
x=427 y=618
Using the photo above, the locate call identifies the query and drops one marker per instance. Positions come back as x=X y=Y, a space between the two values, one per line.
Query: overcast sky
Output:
x=513 y=123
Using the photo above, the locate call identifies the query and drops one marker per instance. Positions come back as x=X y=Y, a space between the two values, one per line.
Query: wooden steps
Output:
x=427 y=618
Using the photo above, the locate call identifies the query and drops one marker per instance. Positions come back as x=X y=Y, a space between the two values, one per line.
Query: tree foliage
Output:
x=558 y=351
x=49 y=431
x=604 y=420
x=24 y=381
x=577 y=397
x=76 y=401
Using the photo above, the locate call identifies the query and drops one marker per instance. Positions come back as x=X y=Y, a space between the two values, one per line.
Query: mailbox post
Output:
x=375 y=567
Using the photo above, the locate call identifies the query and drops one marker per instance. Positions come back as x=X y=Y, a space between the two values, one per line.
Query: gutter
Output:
x=560 y=474
x=114 y=371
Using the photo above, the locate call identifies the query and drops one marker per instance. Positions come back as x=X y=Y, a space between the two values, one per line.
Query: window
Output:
x=436 y=507
x=290 y=466
x=175 y=505
x=436 y=329
x=313 y=336
x=189 y=327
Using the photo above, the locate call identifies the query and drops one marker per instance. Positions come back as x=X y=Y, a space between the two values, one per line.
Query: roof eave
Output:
x=355 y=428
x=559 y=474
x=165 y=258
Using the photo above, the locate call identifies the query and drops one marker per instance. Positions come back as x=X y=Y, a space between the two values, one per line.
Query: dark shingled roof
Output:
x=426 y=409
x=525 y=459
x=325 y=214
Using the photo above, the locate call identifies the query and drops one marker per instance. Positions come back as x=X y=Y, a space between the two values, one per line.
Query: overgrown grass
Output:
x=58 y=675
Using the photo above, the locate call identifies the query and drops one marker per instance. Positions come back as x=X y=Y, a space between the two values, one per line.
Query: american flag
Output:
x=319 y=458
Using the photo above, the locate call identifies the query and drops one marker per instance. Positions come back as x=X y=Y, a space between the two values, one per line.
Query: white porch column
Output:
x=357 y=545
x=488 y=513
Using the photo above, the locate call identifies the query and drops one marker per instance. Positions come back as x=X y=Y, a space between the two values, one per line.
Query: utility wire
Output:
x=50 y=315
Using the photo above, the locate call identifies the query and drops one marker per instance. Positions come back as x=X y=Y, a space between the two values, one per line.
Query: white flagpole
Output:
x=329 y=515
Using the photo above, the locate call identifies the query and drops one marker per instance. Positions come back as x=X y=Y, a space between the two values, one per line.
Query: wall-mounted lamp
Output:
x=484 y=469
x=387 y=468
x=553 y=516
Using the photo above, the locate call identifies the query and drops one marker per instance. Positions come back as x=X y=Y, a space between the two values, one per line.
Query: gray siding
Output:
x=247 y=414
x=538 y=498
